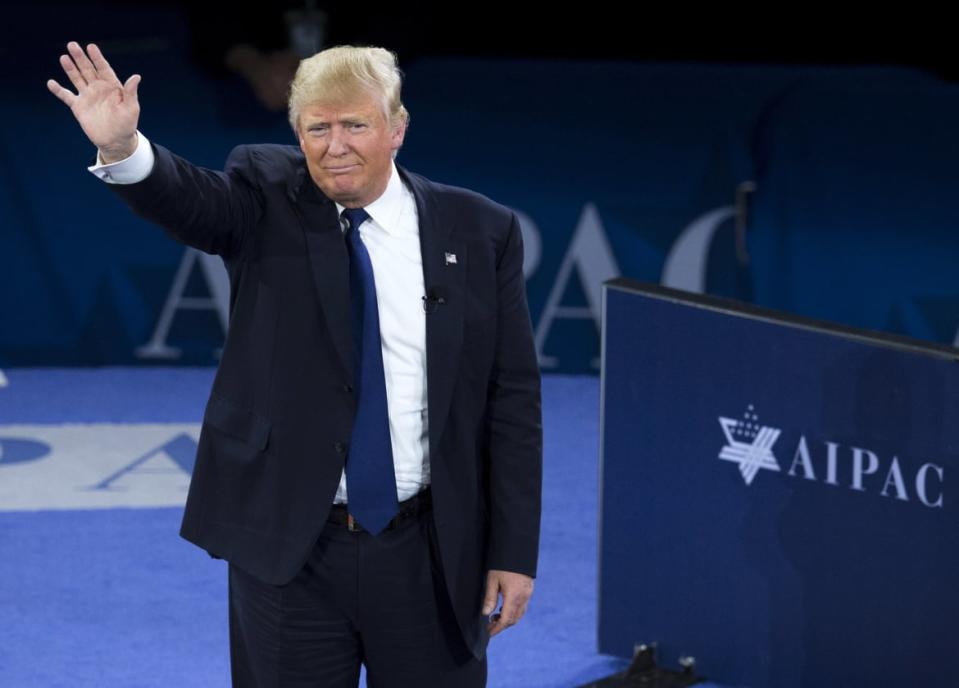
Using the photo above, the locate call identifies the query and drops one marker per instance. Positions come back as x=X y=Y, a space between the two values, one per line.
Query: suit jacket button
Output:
x=339 y=447
x=348 y=388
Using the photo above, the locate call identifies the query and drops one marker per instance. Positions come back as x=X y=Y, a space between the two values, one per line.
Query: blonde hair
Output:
x=338 y=75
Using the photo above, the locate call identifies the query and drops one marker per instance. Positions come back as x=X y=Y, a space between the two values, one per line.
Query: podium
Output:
x=779 y=496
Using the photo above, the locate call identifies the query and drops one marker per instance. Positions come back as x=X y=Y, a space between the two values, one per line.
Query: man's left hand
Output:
x=515 y=589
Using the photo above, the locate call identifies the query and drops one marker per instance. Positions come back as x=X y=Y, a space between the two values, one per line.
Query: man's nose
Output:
x=338 y=143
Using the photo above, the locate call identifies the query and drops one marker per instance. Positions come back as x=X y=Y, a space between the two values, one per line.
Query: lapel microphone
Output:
x=435 y=296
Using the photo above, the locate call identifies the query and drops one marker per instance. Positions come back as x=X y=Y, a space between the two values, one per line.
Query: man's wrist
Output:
x=129 y=170
x=118 y=153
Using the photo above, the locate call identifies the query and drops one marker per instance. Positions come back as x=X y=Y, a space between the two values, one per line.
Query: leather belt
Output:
x=414 y=506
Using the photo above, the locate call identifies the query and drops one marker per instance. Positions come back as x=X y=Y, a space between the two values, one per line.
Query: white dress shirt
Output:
x=392 y=238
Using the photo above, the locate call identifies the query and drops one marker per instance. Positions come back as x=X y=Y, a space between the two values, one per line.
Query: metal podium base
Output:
x=643 y=673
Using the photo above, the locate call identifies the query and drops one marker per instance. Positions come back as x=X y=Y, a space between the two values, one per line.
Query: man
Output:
x=370 y=457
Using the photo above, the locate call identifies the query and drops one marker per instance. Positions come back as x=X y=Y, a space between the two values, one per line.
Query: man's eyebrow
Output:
x=343 y=119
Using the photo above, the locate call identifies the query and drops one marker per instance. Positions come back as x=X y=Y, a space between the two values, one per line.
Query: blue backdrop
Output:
x=616 y=168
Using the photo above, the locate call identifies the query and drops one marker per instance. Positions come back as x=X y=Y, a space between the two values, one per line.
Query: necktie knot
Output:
x=355 y=217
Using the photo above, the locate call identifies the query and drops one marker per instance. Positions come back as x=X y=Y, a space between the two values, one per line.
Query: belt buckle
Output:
x=352 y=525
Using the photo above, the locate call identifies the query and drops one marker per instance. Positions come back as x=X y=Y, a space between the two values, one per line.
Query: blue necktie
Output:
x=370 y=480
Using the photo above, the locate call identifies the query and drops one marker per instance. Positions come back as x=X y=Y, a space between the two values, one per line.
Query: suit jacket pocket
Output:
x=242 y=424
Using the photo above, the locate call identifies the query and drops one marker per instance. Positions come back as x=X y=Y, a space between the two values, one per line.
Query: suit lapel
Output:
x=329 y=262
x=444 y=275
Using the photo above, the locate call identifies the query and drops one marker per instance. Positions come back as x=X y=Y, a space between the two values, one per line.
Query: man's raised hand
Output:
x=107 y=110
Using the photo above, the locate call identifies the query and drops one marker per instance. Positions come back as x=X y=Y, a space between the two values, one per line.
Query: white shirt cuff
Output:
x=130 y=170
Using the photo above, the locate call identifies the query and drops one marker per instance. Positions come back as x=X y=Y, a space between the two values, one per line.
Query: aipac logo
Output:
x=749 y=444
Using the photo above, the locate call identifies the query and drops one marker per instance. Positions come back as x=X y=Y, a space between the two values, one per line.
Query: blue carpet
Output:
x=113 y=597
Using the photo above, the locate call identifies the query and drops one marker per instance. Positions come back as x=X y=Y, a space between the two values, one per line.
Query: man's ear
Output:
x=399 y=133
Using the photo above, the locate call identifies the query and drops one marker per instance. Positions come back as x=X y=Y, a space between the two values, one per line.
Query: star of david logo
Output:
x=749 y=444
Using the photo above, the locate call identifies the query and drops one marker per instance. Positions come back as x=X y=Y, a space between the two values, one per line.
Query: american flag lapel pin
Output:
x=451 y=259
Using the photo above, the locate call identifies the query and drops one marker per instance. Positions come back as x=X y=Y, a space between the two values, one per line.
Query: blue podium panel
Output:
x=779 y=497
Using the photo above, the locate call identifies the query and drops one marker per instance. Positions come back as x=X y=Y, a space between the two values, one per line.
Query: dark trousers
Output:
x=378 y=601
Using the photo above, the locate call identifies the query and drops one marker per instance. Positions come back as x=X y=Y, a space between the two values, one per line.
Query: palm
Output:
x=106 y=110
x=103 y=113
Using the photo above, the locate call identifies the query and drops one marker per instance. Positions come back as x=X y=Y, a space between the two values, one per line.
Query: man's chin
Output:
x=344 y=194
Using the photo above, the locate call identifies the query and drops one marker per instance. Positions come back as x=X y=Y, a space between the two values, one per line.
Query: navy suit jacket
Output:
x=277 y=425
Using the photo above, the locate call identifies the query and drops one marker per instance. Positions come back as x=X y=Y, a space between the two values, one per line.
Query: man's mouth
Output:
x=341 y=169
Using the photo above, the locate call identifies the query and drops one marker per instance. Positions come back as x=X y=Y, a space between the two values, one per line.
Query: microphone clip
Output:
x=431 y=301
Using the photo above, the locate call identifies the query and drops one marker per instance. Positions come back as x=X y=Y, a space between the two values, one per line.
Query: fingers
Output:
x=60 y=92
x=506 y=617
x=104 y=70
x=130 y=87
x=492 y=595
x=497 y=624
x=87 y=70
x=514 y=607
x=73 y=74
x=83 y=70
x=516 y=590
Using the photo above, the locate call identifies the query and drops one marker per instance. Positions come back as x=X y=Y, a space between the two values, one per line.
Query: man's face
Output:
x=349 y=149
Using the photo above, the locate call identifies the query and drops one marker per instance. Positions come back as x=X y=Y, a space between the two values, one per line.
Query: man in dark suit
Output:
x=370 y=458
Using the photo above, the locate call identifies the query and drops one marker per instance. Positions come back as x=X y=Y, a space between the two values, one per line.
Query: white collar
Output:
x=385 y=211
